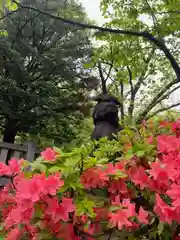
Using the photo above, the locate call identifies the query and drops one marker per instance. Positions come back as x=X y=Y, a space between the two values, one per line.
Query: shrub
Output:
x=128 y=188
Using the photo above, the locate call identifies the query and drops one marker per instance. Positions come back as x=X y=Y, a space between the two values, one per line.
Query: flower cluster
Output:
x=21 y=200
x=160 y=178
x=42 y=204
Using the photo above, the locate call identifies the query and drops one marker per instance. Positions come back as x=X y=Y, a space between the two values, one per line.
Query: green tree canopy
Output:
x=41 y=65
x=134 y=69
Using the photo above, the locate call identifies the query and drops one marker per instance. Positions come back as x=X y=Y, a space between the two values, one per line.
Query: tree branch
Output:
x=130 y=78
x=137 y=86
x=133 y=95
x=154 y=101
x=122 y=100
x=109 y=72
x=167 y=94
x=162 y=110
x=103 y=80
x=8 y=14
x=155 y=21
x=169 y=12
x=148 y=36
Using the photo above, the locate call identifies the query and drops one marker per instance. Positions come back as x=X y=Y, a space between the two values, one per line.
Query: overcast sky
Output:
x=93 y=11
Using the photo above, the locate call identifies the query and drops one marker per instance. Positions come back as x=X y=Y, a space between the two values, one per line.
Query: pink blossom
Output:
x=143 y=216
x=49 y=154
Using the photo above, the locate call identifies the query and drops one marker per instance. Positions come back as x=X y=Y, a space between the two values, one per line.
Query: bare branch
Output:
x=148 y=36
x=162 y=110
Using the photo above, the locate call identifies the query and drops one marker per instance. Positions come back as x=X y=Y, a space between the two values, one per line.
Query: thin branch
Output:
x=169 y=12
x=130 y=78
x=103 y=81
x=148 y=36
x=133 y=95
x=110 y=234
x=167 y=94
x=155 y=21
x=162 y=110
x=137 y=86
x=122 y=100
x=154 y=101
x=107 y=63
x=8 y=14
x=109 y=72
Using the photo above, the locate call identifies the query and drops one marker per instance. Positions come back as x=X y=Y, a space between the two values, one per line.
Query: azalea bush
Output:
x=124 y=189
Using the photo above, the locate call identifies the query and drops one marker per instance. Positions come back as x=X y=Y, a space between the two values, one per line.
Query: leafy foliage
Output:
x=132 y=68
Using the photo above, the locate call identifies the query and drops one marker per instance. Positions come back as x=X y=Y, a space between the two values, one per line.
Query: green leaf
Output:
x=38 y=211
x=38 y=166
x=100 y=192
x=119 y=174
x=140 y=153
x=54 y=169
x=88 y=65
x=39 y=159
x=58 y=150
x=114 y=208
x=84 y=205
x=44 y=236
x=160 y=228
x=102 y=160
x=3 y=33
x=27 y=174
x=72 y=161
x=10 y=5
x=77 y=186
x=129 y=155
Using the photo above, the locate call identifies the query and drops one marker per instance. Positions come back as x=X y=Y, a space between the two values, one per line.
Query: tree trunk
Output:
x=10 y=131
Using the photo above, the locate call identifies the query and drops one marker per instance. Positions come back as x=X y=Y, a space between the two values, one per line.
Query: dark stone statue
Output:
x=105 y=117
